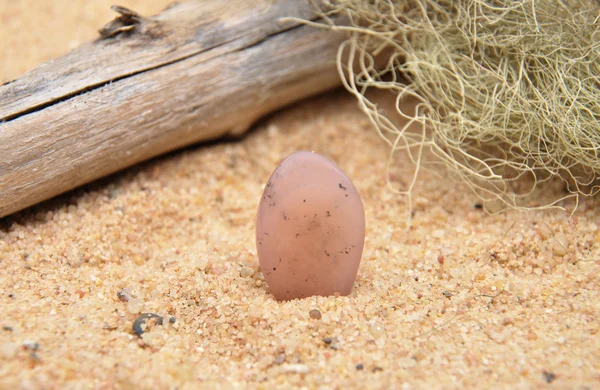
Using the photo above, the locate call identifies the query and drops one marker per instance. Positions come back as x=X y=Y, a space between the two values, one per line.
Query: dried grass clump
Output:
x=507 y=90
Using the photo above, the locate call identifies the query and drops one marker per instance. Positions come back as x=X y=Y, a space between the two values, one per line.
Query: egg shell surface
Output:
x=310 y=229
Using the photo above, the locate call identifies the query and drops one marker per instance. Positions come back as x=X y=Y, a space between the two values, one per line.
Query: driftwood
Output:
x=147 y=86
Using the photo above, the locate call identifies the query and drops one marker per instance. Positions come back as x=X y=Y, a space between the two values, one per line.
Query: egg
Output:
x=310 y=228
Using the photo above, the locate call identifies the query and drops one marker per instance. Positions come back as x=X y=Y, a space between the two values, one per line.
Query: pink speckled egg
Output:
x=310 y=229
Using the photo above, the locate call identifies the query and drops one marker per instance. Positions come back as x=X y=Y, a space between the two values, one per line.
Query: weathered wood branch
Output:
x=196 y=71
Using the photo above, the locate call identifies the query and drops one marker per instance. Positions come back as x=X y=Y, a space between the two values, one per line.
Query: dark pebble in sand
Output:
x=140 y=324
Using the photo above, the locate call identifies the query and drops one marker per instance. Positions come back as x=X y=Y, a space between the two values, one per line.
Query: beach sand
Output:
x=460 y=299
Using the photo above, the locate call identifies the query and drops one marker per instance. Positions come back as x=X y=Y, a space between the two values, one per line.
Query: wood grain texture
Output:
x=197 y=71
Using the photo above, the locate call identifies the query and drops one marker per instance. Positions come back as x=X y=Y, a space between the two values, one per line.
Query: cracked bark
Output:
x=147 y=86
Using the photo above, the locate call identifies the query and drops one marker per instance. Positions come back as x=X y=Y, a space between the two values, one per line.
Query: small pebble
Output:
x=31 y=345
x=172 y=320
x=377 y=331
x=124 y=295
x=140 y=325
x=280 y=358
x=246 y=272
x=7 y=328
x=332 y=342
x=135 y=305
x=296 y=369
x=360 y=366
x=114 y=193
x=549 y=376
x=560 y=244
x=315 y=314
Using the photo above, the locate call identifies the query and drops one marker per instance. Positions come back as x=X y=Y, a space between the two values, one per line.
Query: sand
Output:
x=461 y=299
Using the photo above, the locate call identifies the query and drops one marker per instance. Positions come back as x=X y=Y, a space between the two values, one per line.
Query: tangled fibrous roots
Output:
x=507 y=90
